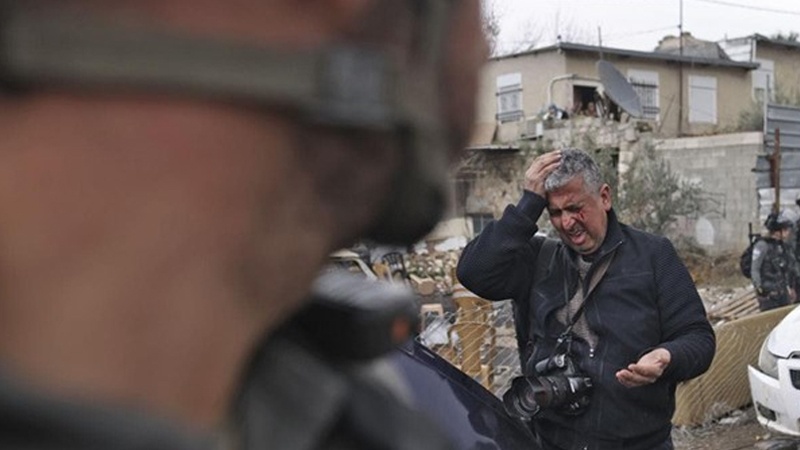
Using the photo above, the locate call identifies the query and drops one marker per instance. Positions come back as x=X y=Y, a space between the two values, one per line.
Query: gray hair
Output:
x=575 y=162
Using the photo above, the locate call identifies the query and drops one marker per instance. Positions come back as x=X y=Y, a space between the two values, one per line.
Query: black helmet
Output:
x=777 y=221
x=350 y=86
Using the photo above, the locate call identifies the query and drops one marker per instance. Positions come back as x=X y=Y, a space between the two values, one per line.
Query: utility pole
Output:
x=680 y=70
x=776 y=167
x=600 y=41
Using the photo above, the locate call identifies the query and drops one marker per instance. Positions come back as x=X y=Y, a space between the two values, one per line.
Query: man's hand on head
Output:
x=540 y=168
x=647 y=370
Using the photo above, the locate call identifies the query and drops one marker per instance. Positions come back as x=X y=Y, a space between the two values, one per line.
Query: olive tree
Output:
x=652 y=197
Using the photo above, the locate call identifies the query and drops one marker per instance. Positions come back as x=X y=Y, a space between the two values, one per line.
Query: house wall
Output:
x=787 y=66
x=730 y=82
x=733 y=96
x=536 y=69
x=734 y=86
x=499 y=184
x=738 y=49
x=722 y=166
x=668 y=87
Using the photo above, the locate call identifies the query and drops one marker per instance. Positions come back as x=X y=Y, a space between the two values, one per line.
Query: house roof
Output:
x=769 y=40
x=583 y=48
x=688 y=45
x=761 y=38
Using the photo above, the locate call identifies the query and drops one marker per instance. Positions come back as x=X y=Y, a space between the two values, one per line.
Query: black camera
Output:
x=556 y=385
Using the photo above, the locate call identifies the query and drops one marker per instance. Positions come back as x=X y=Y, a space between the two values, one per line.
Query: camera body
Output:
x=557 y=384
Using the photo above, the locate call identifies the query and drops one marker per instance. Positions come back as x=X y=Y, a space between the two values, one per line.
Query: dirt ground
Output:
x=740 y=430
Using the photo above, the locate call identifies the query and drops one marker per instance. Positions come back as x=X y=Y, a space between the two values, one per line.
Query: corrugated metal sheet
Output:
x=787 y=120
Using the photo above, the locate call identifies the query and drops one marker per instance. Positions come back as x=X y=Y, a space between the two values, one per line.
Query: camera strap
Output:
x=522 y=319
x=597 y=275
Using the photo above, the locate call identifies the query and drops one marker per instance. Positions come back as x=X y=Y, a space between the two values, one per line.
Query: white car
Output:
x=775 y=383
x=349 y=261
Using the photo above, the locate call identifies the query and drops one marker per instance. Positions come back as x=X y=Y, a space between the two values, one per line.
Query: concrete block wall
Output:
x=722 y=166
x=500 y=186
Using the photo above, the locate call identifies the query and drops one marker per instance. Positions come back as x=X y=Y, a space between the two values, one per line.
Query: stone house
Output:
x=692 y=94
x=778 y=64
x=686 y=94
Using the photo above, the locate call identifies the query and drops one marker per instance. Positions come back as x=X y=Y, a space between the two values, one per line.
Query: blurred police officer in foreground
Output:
x=173 y=175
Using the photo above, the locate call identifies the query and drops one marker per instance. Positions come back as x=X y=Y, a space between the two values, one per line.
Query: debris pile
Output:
x=730 y=304
x=437 y=266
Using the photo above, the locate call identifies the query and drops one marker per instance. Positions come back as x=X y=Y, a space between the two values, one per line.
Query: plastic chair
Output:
x=397 y=265
x=428 y=310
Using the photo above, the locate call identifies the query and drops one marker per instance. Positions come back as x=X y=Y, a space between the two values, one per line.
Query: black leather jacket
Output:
x=646 y=299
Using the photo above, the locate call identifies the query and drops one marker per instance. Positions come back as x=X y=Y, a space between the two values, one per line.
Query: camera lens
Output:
x=520 y=399
x=529 y=395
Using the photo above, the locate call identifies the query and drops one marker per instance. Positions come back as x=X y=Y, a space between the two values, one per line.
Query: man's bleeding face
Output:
x=579 y=215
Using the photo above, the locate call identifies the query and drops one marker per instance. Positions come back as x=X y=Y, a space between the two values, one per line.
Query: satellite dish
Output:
x=619 y=89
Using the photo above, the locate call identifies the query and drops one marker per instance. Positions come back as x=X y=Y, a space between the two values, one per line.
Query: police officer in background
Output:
x=774 y=269
x=794 y=241
x=174 y=174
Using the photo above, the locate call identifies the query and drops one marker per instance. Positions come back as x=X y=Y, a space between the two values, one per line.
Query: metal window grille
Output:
x=648 y=95
x=509 y=104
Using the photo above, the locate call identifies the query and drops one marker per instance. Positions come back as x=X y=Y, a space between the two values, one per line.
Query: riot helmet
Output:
x=347 y=85
x=777 y=221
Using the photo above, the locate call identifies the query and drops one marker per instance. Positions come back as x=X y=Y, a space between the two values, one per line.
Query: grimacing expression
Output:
x=579 y=215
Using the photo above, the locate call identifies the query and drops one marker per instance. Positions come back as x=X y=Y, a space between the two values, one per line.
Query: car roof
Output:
x=342 y=254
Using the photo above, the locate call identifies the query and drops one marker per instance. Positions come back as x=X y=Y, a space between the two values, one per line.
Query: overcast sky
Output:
x=638 y=24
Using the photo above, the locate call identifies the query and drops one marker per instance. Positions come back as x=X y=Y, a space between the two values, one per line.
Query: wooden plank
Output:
x=724 y=387
x=744 y=304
